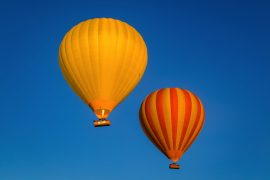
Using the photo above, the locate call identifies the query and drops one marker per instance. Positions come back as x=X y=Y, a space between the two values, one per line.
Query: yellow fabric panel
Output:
x=194 y=110
x=156 y=120
x=181 y=115
x=103 y=59
x=198 y=128
x=167 y=115
x=144 y=121
x=71 y=82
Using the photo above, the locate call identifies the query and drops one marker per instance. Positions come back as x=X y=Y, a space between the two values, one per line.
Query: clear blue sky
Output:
x=220 y=50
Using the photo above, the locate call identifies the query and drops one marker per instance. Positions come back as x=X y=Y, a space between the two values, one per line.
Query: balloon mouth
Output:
x=102 y=113
x=101 y=123
x=174 y=166
x=174 y=155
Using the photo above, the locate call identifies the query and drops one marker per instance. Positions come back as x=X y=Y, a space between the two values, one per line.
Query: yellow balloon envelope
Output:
x=103 y=59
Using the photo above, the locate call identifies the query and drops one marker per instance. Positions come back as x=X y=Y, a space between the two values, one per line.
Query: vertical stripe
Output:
x=192 y=119
x=148 y=133
x=160 y=113
x=199 y=129
x=181 y=115
x=156 y=120
x=150 y=120
x=197 y=120
x=174 y=114
x=186 y=117
x=167 y=115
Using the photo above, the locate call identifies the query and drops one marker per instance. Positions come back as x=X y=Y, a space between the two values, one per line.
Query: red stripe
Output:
x=196 y=123
x=150 y=120
x=160 y=113
x=203 y=114
x=186 y=117
x=147 y=132
x=174 y=113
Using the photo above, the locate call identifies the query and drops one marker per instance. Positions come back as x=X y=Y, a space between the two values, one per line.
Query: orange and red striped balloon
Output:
x=172 y=119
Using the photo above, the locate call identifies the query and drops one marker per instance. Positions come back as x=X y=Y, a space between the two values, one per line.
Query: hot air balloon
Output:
x=172 y=119
x=102 y=59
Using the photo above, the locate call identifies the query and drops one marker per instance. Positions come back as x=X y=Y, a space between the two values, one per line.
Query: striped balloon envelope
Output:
x=172 y=119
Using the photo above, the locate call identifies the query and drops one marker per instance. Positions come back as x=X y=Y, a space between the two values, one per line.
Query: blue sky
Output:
x=218 y=50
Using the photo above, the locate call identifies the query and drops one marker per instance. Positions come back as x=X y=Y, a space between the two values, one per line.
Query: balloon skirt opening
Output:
x=101 y=123
x=174 y=166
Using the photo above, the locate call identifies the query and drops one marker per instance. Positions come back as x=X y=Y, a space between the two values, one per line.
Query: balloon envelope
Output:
x=172 y=119
x=102 y=59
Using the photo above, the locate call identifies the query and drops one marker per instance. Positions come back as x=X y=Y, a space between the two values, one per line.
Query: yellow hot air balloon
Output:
x=172 y=119
x=103 y=59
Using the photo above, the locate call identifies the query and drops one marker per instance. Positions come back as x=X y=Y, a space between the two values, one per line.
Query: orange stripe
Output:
x=196 y=122
x=160 y=114
x=186 y=118
x=199 y=130
x=148 y=134
x=150 y=121
x=174 y=114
